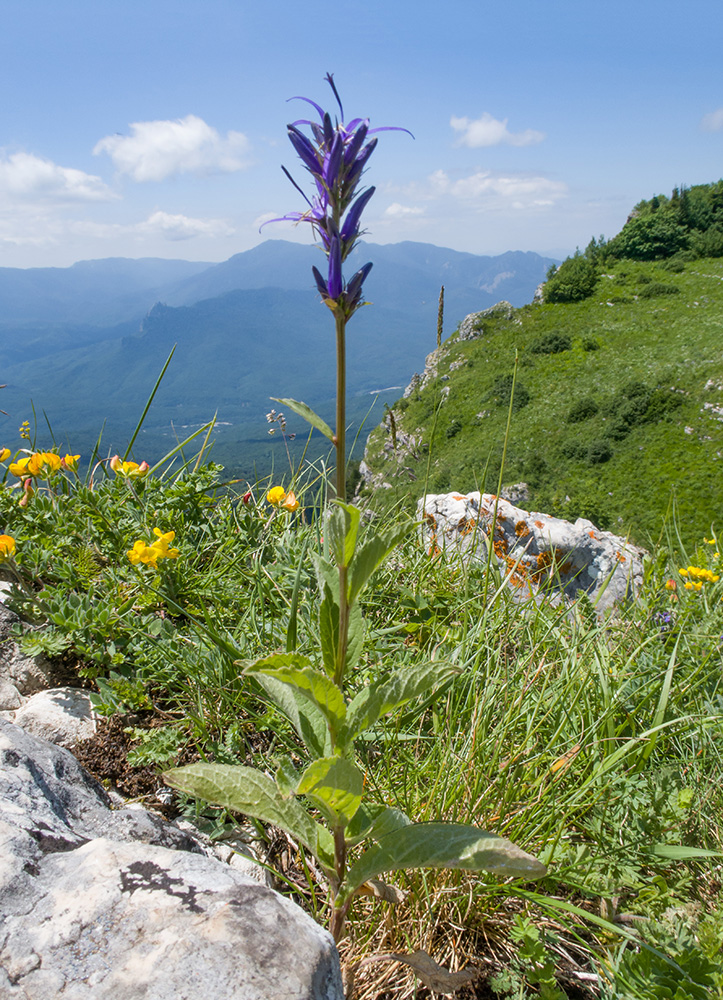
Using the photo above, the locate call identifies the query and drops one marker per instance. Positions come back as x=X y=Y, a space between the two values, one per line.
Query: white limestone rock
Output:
x=63 y=716
x=543 y=555
x=101 y=904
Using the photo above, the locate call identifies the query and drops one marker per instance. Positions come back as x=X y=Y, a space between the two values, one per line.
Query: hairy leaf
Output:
x=342 y=527
x=382 y=697
x=442 y=845
x=248 y=791
x=308 y=720
x=369 y=557
x=312 y=684
x=336 y=784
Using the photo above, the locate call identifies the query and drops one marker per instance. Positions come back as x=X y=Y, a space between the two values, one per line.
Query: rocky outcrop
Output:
x=104 y=904
x=540 y=556
x=472 y=326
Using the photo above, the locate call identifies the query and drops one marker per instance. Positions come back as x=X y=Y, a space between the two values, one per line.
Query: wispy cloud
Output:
x=396 y=210
x=28 y=178
x=488 y=189
x=713 y=122
x=159 y=149
x=489 y=131
x=182 y=227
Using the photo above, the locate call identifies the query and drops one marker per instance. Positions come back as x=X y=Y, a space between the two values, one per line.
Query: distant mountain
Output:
x=247 y=329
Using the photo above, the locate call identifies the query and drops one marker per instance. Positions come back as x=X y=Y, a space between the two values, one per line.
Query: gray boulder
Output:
x=102 y=904
x=541 y=556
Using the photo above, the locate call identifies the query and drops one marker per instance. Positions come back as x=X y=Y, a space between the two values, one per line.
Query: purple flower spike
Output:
x=335 y=155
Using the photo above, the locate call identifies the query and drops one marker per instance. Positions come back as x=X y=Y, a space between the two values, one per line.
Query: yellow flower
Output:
x=276 y=495
x=19 y=468
x=44 y=464
x=161 y=546
x=290 y=502
x=70 y=461
x=150 y=554
x=683 y=572
x=128 y=469
x=5 y=453
x=7 y=547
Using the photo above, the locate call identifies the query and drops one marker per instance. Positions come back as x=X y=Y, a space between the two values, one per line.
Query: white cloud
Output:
x=25 y=177
x=400 y=211
x=713 y=122
x=159 y=149
x=181 y=227
x=527 y=189
x=489 y=131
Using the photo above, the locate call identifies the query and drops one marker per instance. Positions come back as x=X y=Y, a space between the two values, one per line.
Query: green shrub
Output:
x=590 y=344
x=453 y=429
x=573 y=281
x=551 y=343
x=599 y=451
x=583 y=409
x=657 y=288
x=649 y=237
x=502 y=390
x=709 y=243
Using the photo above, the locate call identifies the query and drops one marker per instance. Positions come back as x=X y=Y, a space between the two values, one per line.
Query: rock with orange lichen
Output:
x=542 y=557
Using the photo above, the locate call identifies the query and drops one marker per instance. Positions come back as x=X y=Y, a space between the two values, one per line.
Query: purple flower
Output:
x=336 y=156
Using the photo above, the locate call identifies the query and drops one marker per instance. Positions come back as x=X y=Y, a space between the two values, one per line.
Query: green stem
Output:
x=338 y=913
x=340 y=437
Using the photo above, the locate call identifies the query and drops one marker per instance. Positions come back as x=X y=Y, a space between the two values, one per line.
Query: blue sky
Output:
x=157 y=128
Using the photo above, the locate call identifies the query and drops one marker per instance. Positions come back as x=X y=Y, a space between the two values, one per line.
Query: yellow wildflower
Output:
x=44 y=464
x=290 y=502
x=19 y=468
x=5 y=453
x=70 y=461
x=161 y=546
x=142 y=553
x=7 y=547
x=129 y=469
x=276 y=495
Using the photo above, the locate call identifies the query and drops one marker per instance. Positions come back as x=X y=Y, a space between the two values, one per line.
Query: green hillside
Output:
x=618 y=405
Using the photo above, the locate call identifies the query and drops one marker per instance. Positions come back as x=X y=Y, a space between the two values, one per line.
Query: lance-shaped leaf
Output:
x=308 y=414
x=441 y=845
x=329 y=630
x=309 y=682
x=248 y=791
x=327 y=575
x=371 y=555
x=335 y=784
x=342 y=528
x=308 y=721
x=384 y=696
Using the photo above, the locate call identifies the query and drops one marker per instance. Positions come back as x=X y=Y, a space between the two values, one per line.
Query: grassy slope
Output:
x=671 y=343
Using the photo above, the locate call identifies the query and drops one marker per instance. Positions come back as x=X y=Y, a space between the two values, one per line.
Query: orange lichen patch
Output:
x=500 y=547
x=539 y=524
x=620 y=557
x=592 y=534
x=501 y=518
x=429 y=518
x=566 y=566
x=521 y=529
x=517 y=567
x=543 y=562
x=456 y=496
x=434 y=550
x=466 y=526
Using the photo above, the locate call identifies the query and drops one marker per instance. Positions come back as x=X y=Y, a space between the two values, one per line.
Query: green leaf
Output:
x=336 y=784
x=442 y=845
x=369 y=557
x=384 y=696
x=287 y=779
x=308 y=414
x=342 y=528
x=310 y=683
x=304 y=716
x=678 y=852
x=248 y=791
x=355 y=641
x=329 y=630
x=374 y=821
x=327 y=575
